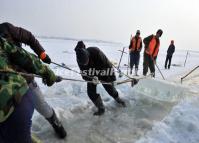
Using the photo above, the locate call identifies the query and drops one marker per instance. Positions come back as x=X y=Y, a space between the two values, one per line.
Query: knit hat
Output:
x=138 y=32
x=82 y=54
x=160 y=32
x=80 y=44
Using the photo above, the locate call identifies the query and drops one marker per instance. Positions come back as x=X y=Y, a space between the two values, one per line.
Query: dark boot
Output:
x=153 y=74
x=134 y=82
x=57 y=125
x=136 y=71
x=131 y=70
x=120 y=101
x=120 y=73
x=99 y=104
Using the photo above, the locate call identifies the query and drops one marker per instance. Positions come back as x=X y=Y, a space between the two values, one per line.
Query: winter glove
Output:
x=49 y=77
x=153 y=60
x=95 y=80
x=45 y=58
x=112 y=77
x=58 y=79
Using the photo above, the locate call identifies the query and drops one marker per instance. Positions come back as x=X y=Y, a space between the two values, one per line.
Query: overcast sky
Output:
x=110 y=20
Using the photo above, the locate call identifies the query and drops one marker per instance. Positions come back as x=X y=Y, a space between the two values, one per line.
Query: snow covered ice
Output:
x=157 y=111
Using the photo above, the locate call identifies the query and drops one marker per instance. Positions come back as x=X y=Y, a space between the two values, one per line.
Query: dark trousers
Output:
x=134 y=59
x=92 y=91
x=168 y=59
x=17 y=128
x=148 y=63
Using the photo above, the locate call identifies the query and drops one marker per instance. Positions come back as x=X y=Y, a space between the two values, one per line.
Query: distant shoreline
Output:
x=74 y=39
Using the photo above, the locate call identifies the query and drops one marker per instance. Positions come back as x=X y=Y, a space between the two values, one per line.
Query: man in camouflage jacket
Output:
x=16 y=105
x=18 y=36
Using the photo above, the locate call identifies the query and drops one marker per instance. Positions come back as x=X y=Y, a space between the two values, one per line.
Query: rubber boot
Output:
x=131 y=70
x=120 y=73
x=134 y=82
x=120 y=101
x=99 y=104
x=136 y=71
x=57 y=125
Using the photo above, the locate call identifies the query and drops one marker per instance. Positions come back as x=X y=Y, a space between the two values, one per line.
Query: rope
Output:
x=72 y=70
x=79 y=80
x=20 y=73
x=65 y=67
x=118 y=70
x=34 y=75
x=130 y=79
x=76 y=80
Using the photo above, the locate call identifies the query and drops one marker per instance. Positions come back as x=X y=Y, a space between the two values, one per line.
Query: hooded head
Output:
x=82 y=54
x=159 y=33
x=172 y=41
x=3 y=30
x=138 y=32
x=80 y=44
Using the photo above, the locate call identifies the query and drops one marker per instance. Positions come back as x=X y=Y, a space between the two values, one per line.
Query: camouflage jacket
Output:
x=13 y=86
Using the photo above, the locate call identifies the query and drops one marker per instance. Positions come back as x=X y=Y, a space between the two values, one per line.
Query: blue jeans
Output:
x=17 y=128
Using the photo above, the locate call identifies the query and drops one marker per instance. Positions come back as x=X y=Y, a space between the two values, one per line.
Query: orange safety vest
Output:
x=153 y=48
x=135 y=46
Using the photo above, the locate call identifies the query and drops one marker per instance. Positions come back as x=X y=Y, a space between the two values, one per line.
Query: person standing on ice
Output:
x=170 y=52
x=93 y=64
x=16 y=97
x=17 y=36
x=134 y=50
x=152 y=44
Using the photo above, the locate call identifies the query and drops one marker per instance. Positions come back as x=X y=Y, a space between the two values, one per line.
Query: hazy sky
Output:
x=110 y=20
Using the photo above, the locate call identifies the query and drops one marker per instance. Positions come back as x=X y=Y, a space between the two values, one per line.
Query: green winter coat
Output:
x=13 y=86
